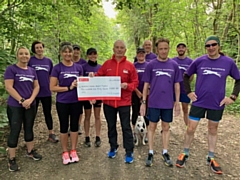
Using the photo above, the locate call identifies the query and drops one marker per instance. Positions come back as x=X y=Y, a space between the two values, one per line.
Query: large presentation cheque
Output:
x=99 y=88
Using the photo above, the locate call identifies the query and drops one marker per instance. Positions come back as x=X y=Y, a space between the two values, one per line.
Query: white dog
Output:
x=140 y=130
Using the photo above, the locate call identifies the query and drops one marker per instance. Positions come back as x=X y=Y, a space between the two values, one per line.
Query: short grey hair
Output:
x=119 y=41
x=64 y=47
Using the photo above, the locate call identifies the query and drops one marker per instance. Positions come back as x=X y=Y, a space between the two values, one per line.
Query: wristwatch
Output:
x=233 y=97
x=143 y=101
x=21 y=101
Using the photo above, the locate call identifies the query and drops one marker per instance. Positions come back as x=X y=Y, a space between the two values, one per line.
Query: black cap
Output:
x=91 y=50
x=140 y=50
x=75 y=46
x=181 y=44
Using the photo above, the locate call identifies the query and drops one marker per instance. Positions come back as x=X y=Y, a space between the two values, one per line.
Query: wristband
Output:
x=69 y=89
x=233 y=97
x=143 y=101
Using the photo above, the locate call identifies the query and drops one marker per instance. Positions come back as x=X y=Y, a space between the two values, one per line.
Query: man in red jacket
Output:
x=118 y=65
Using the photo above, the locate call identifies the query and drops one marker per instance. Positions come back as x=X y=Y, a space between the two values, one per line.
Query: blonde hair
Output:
x=22 y=47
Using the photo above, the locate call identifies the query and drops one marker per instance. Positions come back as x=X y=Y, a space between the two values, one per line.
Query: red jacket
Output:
x=128 y=74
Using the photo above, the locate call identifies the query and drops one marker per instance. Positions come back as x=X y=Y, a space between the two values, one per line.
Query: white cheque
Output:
x=99 y=88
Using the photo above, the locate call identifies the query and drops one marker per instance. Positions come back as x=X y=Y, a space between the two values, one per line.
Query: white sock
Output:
x=164 y=151
x=150 y=151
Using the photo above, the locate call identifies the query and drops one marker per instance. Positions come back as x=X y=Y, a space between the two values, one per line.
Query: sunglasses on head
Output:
x=209 y=45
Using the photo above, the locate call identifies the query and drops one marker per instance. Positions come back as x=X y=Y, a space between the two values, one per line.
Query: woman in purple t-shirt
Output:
x=209 y=98
x=92 y=66
x=43 y=67
x=22 y=85
x=64 y=81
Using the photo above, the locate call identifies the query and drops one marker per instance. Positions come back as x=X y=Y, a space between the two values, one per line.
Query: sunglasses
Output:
x=209 y=45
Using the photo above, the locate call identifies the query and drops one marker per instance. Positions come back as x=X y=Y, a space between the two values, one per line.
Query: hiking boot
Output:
x=34 y=155
x=74 y=156
x=167 y=161
x=98 y=142
x=65 y=157
x=182 y=159
x=214 y=165
x=12 y=165
x=53 y=138
x=149 y=161
x=87 y=142
x=79 y=130
x=112 y=153
x=129 y=158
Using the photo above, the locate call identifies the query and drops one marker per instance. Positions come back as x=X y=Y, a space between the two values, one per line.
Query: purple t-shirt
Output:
x=81 y=61
x=148 y=57
x=87 y=68
x=161 y=76
x=23 y=82
x=211 y=79
x=140 y=67
x=183 y=65
x=43 y=68
x=66 y=75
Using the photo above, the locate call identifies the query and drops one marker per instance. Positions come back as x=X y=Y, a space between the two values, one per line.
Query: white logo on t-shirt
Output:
x=125 y=71
x=183 y=68
x=140 y=70
x=161 y=73
x=206 y=72
x=38 y=68
x=69 y=75
x=25 y=79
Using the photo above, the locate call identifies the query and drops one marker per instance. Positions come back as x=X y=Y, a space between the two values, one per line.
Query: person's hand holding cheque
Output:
x=91 y=74
x=124 y=85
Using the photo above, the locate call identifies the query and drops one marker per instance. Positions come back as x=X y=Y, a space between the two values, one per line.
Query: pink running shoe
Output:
x=74 y=156
x=66 y=158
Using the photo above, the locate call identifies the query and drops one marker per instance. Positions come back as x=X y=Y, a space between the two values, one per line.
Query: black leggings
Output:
x=136 y=103
x=18 y=116
x=65 y=110
x=47 y=108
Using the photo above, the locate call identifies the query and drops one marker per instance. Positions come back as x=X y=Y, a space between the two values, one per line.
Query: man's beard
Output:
x=181 y=53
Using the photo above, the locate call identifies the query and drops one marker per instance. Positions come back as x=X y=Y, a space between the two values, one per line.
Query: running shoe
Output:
x=66 y=158
x=34 y=155
x=129 y=158
x=149 y=161
x=87 y=142
x=214 y=165
x=12 y=165
x=167 y=161
x=112 y=153
x=98 y=142
x=53 y=138
x=182 y=159
x=74 y=156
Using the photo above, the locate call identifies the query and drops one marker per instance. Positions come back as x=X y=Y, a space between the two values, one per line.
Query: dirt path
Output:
x=94 y=163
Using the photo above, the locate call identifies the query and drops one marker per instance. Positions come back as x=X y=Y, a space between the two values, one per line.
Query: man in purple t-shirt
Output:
x=163 y=77
x=183 y=63
x=77 y=55
x=209 y=98
x=147 y=45
x=140 y=66
x=78 y=60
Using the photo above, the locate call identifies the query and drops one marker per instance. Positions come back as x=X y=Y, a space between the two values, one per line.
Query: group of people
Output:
x=154 y=85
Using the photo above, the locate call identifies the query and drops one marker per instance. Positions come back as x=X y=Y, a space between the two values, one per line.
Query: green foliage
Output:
x=5 y=60
x=181 y=21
